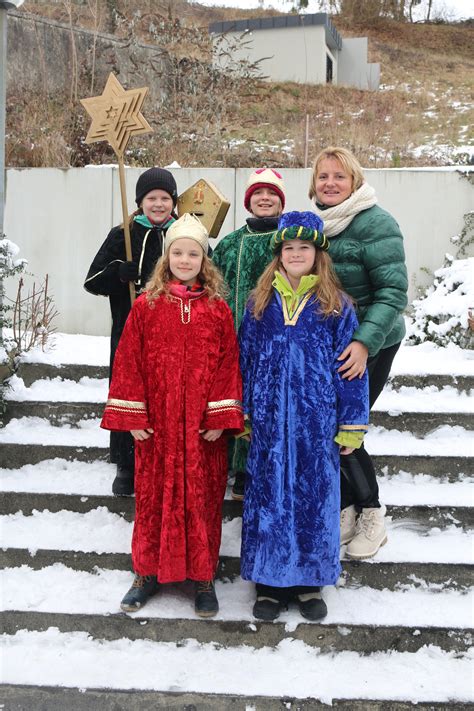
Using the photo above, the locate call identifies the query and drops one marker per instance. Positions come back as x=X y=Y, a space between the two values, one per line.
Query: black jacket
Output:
x=103 y=279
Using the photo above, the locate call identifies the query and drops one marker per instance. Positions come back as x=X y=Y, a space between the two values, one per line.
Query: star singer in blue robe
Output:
x=297 y=404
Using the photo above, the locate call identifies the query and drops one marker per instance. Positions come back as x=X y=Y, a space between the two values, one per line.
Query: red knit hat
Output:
x=265 y=178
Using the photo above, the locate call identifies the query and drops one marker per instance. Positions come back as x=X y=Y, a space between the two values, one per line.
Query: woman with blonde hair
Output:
x=366 y=247
x=176 y=387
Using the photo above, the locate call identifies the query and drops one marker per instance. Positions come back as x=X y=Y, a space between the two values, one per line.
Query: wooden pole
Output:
x=126 y=224
x=306 y=141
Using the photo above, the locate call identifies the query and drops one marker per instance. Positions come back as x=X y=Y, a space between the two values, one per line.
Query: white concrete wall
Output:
x=291 y=53
x=353 y=69
x=59 y=218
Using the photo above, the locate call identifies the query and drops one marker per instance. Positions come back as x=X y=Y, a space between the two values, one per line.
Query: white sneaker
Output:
x=370 y=534
x=348 y=524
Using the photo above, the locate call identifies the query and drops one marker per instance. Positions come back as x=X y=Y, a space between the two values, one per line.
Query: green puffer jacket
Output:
x=242 y=257
x=370 y=262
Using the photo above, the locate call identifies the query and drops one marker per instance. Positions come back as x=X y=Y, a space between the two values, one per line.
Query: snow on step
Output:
x=293 y=668
x=37 y=430
x=59 y=476
x=59 y=589
x=429 y=359
x=58 y=390
x=66 y=348
x=427 y=399
x=406 y=489
x=101 y=531
x=426 y=358
x=445 y=441
x=87 y=389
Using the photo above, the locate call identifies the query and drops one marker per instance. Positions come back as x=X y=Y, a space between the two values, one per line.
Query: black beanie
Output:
x=156 y=179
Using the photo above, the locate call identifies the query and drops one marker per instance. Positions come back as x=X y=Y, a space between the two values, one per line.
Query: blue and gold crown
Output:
x=300 y=225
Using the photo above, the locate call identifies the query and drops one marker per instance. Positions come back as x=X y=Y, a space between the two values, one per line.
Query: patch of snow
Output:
x=101 y=531
x=58 y=390
x=292 y=668
x=60 y=589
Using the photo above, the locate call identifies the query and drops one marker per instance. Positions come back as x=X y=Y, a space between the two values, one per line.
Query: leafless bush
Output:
x=33 y=317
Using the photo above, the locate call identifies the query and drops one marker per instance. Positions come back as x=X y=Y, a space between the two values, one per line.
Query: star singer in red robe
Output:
x=176 y=382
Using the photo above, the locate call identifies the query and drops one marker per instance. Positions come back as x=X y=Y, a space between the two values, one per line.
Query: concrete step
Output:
x=14 y=455
x=365 y=639
x=372 y=573
x=420 y=517
x=37 y=371
x=30 y=372
x=70 y=413
x=53 y=698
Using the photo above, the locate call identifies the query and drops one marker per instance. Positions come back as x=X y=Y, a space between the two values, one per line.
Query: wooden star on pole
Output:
x=116 y=115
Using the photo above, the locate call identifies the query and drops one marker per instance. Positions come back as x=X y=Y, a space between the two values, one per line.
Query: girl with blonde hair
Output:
x=302 y=415
x=176 y=387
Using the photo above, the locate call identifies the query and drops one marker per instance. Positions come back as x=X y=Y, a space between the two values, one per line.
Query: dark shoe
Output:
x=266 y=608
x=123 y=484
x=205 y=601
x=312 y=606
x=143 y=587
x=239 y=486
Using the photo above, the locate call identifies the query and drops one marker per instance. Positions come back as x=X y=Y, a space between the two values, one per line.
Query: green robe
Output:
x=242 y=256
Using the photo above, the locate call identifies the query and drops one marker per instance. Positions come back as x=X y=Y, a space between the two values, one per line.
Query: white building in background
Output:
x=301 y=48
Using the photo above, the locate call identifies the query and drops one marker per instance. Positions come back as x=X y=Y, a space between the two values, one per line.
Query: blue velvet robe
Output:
x=297 y=403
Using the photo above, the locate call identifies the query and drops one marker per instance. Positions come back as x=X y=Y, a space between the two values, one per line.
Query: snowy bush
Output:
x=9 y=267
x=440 y=315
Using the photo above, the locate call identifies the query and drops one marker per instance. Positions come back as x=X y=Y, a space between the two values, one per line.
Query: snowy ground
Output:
x=292 y=668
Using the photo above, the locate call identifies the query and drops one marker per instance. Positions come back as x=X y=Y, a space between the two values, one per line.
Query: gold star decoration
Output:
x=116 y=115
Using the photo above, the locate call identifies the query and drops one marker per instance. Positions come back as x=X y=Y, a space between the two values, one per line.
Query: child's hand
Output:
x=211 y=435
x=356 y=354
x=142 y=435
x=346 y=450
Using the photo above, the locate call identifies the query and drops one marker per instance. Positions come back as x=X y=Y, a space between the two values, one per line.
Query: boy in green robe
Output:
x=242 y=257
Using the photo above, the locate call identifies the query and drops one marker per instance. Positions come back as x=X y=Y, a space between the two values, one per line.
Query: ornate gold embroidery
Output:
x=114 y=404
x=224 y=405
x=292 y=321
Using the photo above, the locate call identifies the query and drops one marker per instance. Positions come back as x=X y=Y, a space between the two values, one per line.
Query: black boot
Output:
x=312 y=606
x=143 y=587
x=205 y=601
x=238 y=487
x=123 y=484
x=266 y=608
x=270 y=601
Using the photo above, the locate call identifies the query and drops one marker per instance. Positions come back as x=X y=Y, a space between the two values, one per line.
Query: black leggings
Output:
x=358 y=480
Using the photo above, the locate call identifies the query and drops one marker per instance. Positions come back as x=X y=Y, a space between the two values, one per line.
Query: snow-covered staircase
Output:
x=399 y=628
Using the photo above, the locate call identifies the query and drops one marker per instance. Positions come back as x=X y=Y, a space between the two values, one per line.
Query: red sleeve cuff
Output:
x=125 y=415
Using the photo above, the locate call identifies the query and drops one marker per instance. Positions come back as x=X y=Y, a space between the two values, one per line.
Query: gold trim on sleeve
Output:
x=362 y=428
x=223 y=405
x=126 y=405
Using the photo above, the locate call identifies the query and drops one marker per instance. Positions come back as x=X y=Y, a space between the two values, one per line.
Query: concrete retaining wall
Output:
x=59 y=218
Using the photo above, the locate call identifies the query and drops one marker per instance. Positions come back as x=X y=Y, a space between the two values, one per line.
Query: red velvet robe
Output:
x=176 y=370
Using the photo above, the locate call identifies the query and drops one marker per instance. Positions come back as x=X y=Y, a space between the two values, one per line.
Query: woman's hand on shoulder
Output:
x=355 y=360
x=142 y=435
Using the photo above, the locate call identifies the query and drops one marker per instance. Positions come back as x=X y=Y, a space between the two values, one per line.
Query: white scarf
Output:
x=337 y=218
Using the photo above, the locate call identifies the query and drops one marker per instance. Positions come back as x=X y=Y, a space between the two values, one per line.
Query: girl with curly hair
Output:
x=176 y=387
